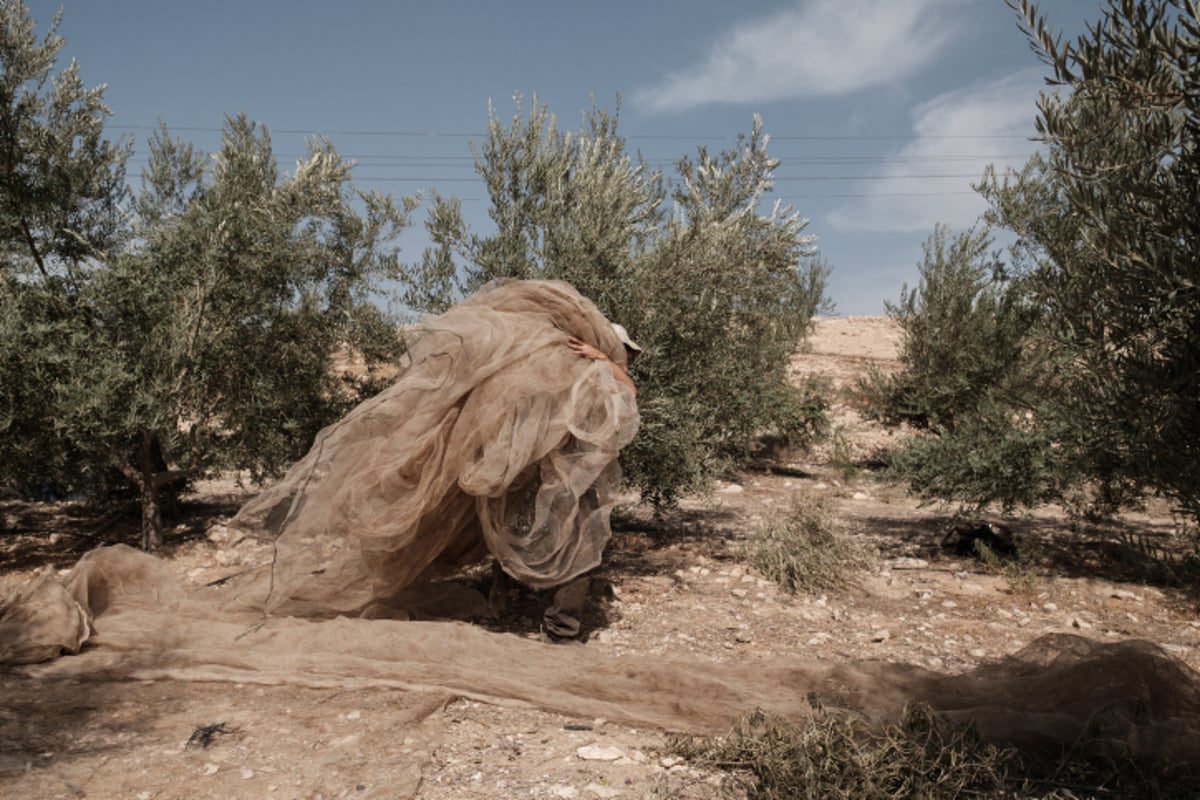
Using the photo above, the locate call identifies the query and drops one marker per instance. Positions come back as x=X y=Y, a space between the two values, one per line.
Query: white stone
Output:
x=595 y=752
x=600 y=790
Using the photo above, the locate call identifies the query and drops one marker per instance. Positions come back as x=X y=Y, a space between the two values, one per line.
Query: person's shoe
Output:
x=546 y=637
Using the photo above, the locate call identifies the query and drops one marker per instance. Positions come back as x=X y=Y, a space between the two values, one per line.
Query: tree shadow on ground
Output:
x=41 y=534
x=48 y=725
x=1120 y=551
x=644 y=545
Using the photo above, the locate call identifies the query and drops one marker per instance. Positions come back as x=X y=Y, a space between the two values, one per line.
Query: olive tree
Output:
x=1122 y=288
x=220 y=324
x=62 y=190
x=717 y=289
x=147 y=339
x=1097 y=400
x=975 y=384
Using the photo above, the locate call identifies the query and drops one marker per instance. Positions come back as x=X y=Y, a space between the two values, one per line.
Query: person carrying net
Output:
x=501 y=436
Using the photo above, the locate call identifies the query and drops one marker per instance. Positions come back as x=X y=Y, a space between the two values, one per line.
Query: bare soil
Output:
x=676 y=586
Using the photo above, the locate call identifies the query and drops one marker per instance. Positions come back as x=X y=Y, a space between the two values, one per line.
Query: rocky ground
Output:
x=675 y=587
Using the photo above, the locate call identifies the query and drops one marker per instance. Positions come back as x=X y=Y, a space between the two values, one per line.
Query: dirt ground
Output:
x=674 y=587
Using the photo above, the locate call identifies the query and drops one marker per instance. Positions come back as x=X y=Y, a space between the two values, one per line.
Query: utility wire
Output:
x=375 y=160
x=636 y=136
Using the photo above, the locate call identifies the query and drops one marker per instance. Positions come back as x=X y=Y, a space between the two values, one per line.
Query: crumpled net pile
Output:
x=346 y=553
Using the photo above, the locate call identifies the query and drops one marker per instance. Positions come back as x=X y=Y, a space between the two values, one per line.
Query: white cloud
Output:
x=818 y=48
x=952 y=133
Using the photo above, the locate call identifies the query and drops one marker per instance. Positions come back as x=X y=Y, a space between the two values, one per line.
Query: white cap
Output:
x=623 y=335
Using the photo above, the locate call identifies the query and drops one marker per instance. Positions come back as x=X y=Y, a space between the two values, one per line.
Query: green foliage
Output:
x=717 y=292
x=61 y=186
x=964 y=332
x=61 y=181
x=974 y=382
x=196 y=333
x=1124 y=286
x=804 y=548
x=224 y=320
x=989 y=459
x=1074 y=372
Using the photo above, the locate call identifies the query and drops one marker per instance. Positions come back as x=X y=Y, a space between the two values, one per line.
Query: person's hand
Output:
x=582 y=348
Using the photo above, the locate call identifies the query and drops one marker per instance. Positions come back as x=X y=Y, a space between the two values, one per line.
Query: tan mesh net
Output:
x=1122 y=698
x=495 y=409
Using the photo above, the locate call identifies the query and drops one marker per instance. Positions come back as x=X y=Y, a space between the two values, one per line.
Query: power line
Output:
x=383 y=166
x=832 y=195
x=775 y=179
x=430 y=134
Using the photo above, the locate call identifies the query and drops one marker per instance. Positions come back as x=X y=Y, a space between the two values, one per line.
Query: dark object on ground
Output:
x=203 y=735
x=964 y=539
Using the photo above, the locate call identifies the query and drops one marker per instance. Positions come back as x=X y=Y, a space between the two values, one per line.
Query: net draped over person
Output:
x=495 y=438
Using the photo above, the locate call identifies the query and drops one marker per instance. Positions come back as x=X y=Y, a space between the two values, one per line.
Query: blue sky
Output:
x=883 y=112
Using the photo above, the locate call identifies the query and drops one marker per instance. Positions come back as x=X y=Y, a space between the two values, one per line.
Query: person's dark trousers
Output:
x=563 y=620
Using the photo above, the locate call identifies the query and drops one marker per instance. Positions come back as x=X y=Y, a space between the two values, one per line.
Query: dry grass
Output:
x=806 y=547
x=837 y=754
x=841 y=755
